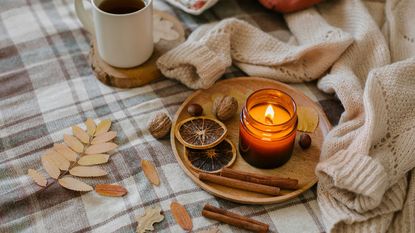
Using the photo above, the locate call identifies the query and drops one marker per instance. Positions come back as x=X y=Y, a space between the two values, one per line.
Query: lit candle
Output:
x=267 y=128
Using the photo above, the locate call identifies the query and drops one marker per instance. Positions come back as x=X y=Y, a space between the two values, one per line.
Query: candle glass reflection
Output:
x=267 y=130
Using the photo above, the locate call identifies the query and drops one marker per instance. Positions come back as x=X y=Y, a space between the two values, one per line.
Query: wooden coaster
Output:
x=140 y=75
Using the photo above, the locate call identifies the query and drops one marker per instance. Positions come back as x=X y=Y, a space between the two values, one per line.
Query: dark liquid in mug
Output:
x=121 y=6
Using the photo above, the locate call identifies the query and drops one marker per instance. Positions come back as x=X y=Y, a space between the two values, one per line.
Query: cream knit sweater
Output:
x=364 y=53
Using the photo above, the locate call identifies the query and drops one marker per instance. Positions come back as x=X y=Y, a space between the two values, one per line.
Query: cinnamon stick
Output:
x=215 y=209
x=230 y=218
x=244 y=185
x=285 y=183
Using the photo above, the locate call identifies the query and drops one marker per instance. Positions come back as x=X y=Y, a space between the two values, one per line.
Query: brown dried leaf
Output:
x=82 y=171
x=101 y=148
x=65 y=152
x=150 y=172
x=181 y=216
x=103 y=127
x=93 y=159
x=74 y=184
x=90 y=126
x=105 y=137
x=38 y=178
x=73 y=143
x=50 y=167
x=307 y=119
x=80 y=134
x=111 y=190
x=152 y=215
x=60 y=161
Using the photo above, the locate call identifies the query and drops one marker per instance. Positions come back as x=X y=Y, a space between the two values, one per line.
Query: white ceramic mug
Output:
x=123 y=40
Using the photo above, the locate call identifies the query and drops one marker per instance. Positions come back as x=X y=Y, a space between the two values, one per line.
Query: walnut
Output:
x=224 y=107
x=160 y=125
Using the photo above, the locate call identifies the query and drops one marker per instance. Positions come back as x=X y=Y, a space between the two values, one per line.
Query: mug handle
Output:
x=84 y=16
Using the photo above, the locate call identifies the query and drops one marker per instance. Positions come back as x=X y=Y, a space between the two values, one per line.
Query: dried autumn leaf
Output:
x=307 y=119
x=102 y=127
x=73 y=143
x=152 y=215
x=74 y=184
x=80 y=134
x=90 y=126
x=93 y=159
x=65 y=152
x=111 y=190
x=181 y=216
x=60 y=161
x=105 y=137
x=50 y=167
x=101 y=148
x=150 y=172
x=82 y=171
x=37 y=177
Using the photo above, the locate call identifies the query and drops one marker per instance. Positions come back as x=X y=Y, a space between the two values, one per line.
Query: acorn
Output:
x=305 y=141
x=195 y=110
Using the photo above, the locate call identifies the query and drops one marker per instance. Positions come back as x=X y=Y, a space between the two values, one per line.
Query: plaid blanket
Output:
x=46 y=85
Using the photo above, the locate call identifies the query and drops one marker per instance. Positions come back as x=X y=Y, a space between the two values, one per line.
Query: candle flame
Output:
x=269 y=114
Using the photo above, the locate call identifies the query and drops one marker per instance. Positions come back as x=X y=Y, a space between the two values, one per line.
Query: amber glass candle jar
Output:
x=267 y=128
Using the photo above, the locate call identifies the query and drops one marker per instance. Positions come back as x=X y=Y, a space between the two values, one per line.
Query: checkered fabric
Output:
x=46 y=85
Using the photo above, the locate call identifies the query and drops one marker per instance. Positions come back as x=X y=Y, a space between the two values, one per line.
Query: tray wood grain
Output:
x=302 y=164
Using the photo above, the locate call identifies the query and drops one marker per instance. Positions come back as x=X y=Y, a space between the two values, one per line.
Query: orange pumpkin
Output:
x=288 y=6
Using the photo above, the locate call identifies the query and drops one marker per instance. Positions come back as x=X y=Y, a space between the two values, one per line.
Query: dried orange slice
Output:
x=211 y=160
x=200 y=132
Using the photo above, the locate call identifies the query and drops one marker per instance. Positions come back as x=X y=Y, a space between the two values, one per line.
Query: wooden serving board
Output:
x=302 y=164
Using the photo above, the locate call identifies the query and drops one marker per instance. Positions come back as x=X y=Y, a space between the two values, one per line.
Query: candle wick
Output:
x=268 y=120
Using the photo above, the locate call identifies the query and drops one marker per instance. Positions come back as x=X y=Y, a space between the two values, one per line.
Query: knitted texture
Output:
x=364 y=53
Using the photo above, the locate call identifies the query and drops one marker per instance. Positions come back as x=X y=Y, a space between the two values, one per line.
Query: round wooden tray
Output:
x=302 y=164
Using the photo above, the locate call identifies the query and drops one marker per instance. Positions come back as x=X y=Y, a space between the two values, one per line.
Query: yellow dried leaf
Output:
x=74 y=184
x=150 y=172
x=82 y=171
x=101 y=148
x=93 y=159
x=181 y=216
x=105 y=137
x=90 y=126
x=65 y=152
x=73 y=143
x=152 y=215
x=307 y=119
x=60 y=161
x=80 y=134
x=37 y=177
x=50 y=167
x=103 y=127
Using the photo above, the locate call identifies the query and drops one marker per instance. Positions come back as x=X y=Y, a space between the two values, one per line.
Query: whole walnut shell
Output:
x=160 y=125
x=224 y=107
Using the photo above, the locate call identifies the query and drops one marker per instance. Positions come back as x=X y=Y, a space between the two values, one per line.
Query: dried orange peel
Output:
x=200 y=132
x=211 y=160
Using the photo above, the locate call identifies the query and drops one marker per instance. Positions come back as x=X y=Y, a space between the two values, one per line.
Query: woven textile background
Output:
x=46 y=85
